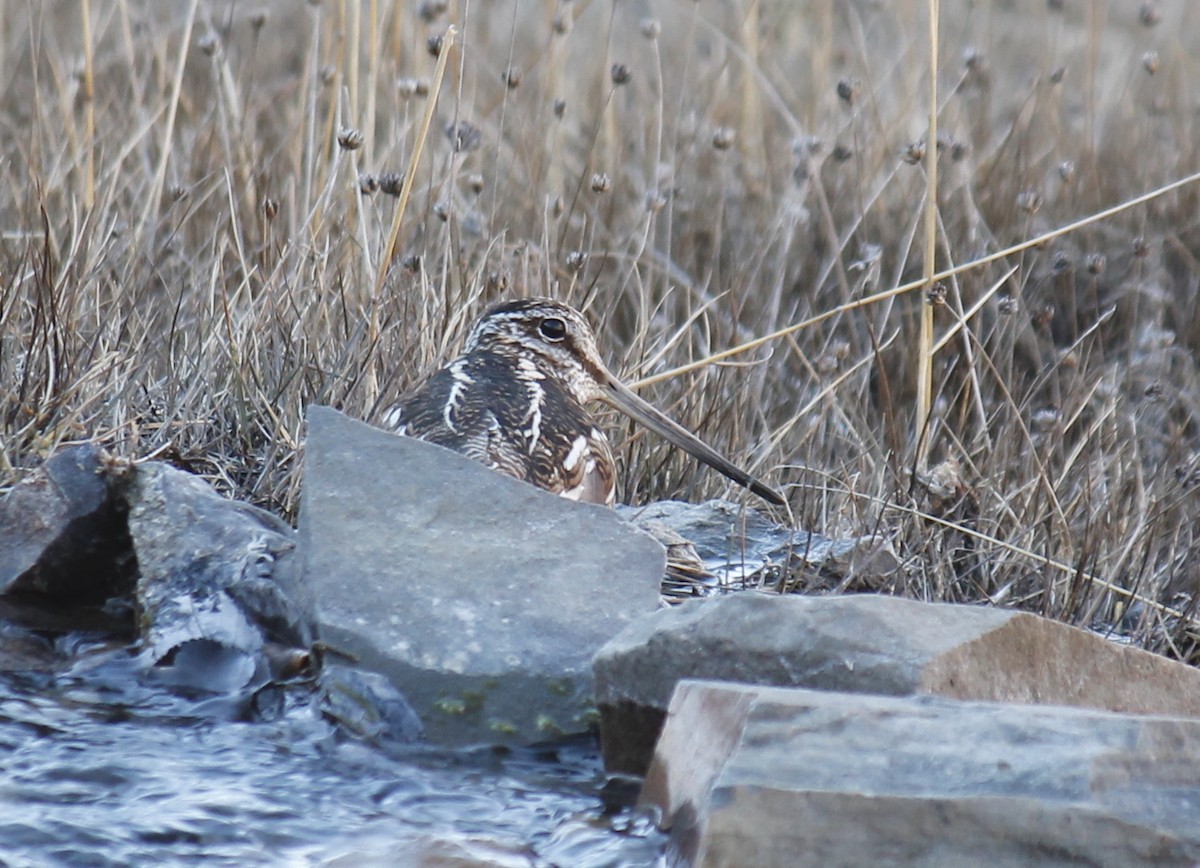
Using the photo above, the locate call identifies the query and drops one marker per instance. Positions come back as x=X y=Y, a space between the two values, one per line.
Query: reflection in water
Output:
x=100 y=770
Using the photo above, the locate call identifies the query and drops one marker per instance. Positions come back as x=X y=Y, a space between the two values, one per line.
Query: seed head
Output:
x=1096 y=263
x=1066 y=171
x=391 y=183
x=620 y=74
x=208 y=44
x=560 y=107
x=512 y=77
x=368 y=183
x=350 y=139
x=1029 y=201
x=576 y=260
x=434 y=44
x=464 y=136
x=258 y=18
x=475 y=183
x=651 y=28
x=848 y=90
x=601 y=183
x=723 y=138
x=1149 y=14
x=1150 y=62
x=431 y=10
x=270 y=208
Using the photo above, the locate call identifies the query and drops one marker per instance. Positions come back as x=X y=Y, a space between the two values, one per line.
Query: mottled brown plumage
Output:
x=516 y=400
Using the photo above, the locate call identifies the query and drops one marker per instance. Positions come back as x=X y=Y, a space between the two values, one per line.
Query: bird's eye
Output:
x=552 y=329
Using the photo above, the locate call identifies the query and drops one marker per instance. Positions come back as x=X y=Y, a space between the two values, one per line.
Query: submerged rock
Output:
x=63 y=535
x=481 y=597
x=869 y=644
x=751 y=775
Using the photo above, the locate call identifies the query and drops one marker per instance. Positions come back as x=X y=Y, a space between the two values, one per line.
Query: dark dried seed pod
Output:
x=936 y=294
x=914 y=153
x=391 y=183
x=350 y=139
x=841 y=152
x=620 y=74
x=327 y=74
x=1029 y=201
x=258 y=18
x=411 y=262
x=512 y=77
x=270 y=208
x=434 y=44
x=723 y=138
x=368 y=184
x=1096 y=263
x=1149 y=14
x=208 y=44
x=601 y=183
x=442 y=211
x=464 y=136
x=1057 y=75
x=1066 y=171
x=475 y=183
x=560 y=107
x=576 y=260
x=848 y=90
x=1141 y=247
x=1007 y=305
x=431 y=10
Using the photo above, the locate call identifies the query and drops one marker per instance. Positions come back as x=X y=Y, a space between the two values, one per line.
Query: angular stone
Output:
x=482 y=598
x=214 y=588
x=750 y=775
x=869 y=644
x=62 y=535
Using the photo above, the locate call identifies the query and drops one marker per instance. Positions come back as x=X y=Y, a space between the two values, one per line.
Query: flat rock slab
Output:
x=748 y=775
x=482 y=598
x=869 y=644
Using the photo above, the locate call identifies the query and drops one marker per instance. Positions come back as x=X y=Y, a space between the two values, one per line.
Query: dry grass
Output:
x=189 y=256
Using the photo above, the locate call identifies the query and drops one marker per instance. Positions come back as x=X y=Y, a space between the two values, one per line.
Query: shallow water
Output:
x=97 y=769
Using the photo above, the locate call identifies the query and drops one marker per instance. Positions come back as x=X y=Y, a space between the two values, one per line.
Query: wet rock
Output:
x=739 y=547
x=482 y=598
x=366 y=705
x=62 y=533
x=748 y=775
x=869 y=644
x=214 y=585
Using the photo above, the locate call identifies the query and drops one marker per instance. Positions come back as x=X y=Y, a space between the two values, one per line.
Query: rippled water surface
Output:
x=98 y=770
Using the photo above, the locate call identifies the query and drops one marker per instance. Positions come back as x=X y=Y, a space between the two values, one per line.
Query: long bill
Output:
x=621 y=397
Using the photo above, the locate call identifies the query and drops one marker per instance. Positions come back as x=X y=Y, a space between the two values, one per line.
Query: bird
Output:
x=516 y=400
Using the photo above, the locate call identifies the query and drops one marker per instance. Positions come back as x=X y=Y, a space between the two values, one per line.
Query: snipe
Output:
x=516 y=400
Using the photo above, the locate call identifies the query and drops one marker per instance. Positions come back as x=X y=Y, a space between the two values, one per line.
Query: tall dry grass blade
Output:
x=925 y=342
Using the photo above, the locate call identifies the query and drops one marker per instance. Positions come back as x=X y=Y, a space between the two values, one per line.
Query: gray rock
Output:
x=62 y=533
x=482 y=598
x=366 y=705
x=742 y=548
x=869 y=644
x=783 y=777
x=213 y=585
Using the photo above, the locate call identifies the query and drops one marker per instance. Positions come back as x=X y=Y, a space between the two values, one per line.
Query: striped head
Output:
x=551 y=336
